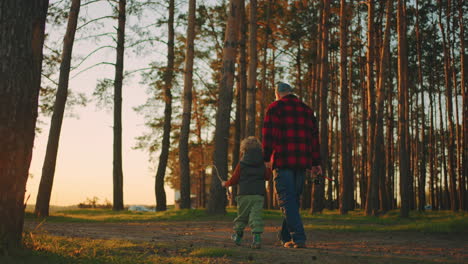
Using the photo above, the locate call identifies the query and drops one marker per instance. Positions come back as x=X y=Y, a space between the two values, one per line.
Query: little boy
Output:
x=250 y=174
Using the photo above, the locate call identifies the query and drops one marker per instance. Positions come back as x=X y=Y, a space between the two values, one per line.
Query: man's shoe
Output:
x=257 y=241
x=237 y=238
x=300 y=245
x=289 y=244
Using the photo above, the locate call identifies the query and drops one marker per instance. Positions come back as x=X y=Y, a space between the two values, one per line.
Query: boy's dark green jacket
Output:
x=250 y=173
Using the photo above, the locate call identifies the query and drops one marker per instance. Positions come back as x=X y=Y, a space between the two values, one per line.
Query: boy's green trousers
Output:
x=249 y=211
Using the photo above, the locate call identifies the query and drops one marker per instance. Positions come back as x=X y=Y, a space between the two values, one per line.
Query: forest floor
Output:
x=323 y=246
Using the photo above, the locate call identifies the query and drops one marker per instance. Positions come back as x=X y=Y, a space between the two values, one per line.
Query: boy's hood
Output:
x=253 y=157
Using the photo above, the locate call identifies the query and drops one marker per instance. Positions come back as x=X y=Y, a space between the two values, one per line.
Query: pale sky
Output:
x=84 y=162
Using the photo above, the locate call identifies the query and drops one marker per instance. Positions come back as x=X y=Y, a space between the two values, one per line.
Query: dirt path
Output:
x=323 y=246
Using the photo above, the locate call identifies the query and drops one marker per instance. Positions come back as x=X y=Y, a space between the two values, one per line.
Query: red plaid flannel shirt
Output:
x=290 y=135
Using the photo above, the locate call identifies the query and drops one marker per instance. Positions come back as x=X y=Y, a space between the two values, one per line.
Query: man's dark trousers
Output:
x=289 y=184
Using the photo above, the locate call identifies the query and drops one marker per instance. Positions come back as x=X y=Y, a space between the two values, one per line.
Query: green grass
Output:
x=356 y=221
x=428 y=222
x=213 y=252
x=107 y=215
x=44 y=248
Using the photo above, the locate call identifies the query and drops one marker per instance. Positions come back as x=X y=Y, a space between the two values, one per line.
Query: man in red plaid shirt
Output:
x=290 y=147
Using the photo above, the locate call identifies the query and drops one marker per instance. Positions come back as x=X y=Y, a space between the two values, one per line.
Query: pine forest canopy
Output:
x=289 y=48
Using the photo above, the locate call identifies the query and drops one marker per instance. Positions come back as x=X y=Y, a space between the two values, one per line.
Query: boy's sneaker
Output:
x=237 y=238
x=257 y=241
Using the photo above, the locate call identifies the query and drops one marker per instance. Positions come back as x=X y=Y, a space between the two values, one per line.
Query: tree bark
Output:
x=373 y=179
x=403 y=130
x=22 y=26
x=319 y=189
x=184 y=161
x=422 y=165
x=346 y=169
x=449 y=105
x=432 y=158
x=252 y=77
x=390 y=153
x=118 y=80
x=265 y=66
x=161 y=203
x=242 y=69
x=48 y=168
x=378 y=161
x=464 y=173
x=217 y=202
x=445 y=189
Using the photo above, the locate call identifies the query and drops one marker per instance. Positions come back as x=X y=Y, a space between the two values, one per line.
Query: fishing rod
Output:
x=317 y=178
x=220 y=180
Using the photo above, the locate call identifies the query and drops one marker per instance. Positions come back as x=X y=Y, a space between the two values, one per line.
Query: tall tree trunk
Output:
x=445 y=189
x=242 y=69
x=252 y=77
x=21 y=40
x=217 y=202
x=187 y=109
x=422 y=165
x=464 y=173
x=318 y=189
x=161 y=203
x=449 y=105
x=351 y=136
x=432 y=157
x=373 y=179
x=299 y=69
x=346 y=170
x=458 y=152
x=119 y=67
x=48 y=168
x=202 y=166
x=264 y=99
x=237 y=140
x=390 y=143
x=364 y=154
x=272 y=201
x=412 y=147
x=403 y=130
x=378 y=162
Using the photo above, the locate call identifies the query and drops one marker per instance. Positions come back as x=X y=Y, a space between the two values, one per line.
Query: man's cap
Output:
x=282 y=87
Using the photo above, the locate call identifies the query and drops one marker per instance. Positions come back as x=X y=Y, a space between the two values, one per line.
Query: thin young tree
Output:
x=187 y=109
x=161 y=203
x=118 y=81
x=48 y=168
x=22 y=25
